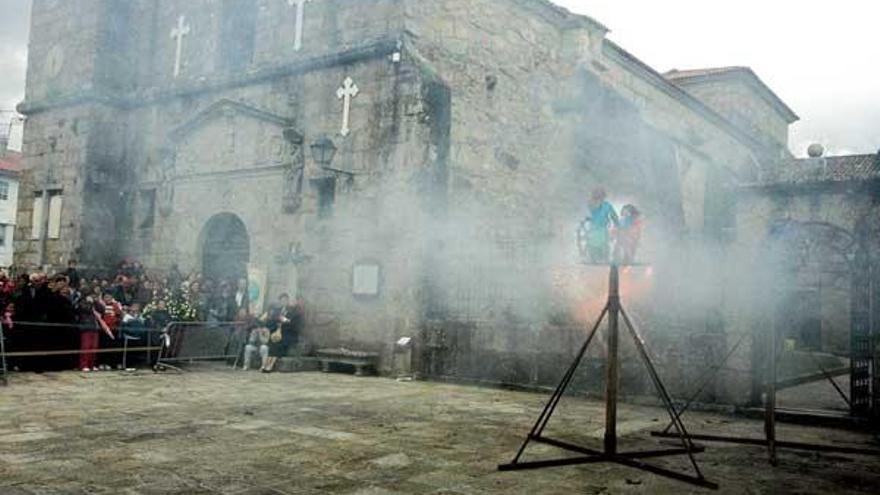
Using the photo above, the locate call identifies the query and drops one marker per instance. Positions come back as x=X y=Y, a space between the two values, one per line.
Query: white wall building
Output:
x=10 y=168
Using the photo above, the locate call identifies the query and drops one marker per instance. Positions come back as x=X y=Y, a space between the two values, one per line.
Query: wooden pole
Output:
x=612 y=365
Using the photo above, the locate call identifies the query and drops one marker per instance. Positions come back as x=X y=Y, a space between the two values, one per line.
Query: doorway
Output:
x=225 y=248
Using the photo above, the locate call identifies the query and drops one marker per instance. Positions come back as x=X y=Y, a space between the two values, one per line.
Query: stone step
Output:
x=297 y=364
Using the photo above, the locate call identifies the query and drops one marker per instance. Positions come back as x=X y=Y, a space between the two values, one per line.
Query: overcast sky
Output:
x=822 y=57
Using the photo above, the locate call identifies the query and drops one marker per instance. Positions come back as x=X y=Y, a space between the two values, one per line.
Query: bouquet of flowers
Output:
x=177 y=305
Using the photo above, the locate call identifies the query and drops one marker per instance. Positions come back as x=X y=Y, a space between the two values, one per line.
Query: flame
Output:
x=585 y=288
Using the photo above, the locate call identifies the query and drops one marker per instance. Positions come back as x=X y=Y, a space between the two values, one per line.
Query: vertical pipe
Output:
x=612 y=365
x=770 y=394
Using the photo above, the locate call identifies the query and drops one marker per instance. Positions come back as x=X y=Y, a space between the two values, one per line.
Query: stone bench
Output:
x=360 y=360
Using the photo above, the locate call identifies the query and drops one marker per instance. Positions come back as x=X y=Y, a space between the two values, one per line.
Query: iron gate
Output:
x=875 y=331
x=810 y=245
x=864 y=359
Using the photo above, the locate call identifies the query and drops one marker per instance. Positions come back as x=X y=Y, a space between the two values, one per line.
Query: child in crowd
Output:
x=111 y=318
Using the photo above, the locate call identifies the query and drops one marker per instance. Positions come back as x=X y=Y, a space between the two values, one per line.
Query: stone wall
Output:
x=235 y=163
x=63 y=48
x=480 y=128
x=742 y=104
x=542 y=113
x=808 y=242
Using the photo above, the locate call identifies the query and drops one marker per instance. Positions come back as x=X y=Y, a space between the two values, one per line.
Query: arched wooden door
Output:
x=225 y=248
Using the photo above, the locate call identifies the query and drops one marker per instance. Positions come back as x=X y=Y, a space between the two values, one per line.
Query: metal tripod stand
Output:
x=613 y=310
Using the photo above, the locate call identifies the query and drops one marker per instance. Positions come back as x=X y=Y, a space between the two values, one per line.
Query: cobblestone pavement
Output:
x=219 y=432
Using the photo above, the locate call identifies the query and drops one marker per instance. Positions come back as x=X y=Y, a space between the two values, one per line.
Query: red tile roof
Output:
x=827 y=169
x=710 y=71
x=11 y=161
x=684 y=77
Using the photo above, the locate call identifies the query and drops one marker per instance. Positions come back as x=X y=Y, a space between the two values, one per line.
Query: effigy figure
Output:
x=629 y=234
x=601 y=218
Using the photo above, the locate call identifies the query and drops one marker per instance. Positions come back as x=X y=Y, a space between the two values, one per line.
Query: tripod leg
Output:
x=541 y=423
x=829 y=378
x=664 y=395
x=612 y=370
x=709 y=379
x=569 y=375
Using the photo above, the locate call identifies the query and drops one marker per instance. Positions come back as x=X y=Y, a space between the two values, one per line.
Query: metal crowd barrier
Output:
x=3 y=357
x=169 y=351
x=176 y=334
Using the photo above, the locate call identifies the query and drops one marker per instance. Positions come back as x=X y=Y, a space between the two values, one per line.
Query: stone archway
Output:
x=825 y=277
x=225 y=247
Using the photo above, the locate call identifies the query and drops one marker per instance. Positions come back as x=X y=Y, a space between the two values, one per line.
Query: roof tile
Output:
x=827 y=169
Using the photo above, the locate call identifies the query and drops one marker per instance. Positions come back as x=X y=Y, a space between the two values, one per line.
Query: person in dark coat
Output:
x=61 y=330
x=30 y=331
x=241 y=299
x=285 y=322
x=73 y=277
x=159 y=317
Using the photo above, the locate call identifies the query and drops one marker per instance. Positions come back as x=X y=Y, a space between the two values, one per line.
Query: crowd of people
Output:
x=76 y=320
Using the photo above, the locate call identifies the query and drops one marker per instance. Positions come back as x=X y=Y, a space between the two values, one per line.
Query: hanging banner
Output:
x=257 y=289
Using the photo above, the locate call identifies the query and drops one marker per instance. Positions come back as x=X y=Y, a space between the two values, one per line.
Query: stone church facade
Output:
x=467 y=136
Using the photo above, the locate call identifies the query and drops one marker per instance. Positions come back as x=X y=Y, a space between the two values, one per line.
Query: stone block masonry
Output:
x=463 y=160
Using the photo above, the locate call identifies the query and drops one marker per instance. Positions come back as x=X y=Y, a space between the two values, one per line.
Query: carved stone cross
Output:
x=348 y=91
x=178 y=33
x=300 y=17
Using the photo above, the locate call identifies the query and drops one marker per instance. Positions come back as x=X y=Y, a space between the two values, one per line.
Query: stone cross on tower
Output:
x=348 y=91
x=300 y=17
x=178 y=33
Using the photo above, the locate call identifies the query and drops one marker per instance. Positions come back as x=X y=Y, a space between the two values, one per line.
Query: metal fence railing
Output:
x=188 y=342
x=163 y=348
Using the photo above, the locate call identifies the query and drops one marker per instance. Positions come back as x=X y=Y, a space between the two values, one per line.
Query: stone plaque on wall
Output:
x=366 y=279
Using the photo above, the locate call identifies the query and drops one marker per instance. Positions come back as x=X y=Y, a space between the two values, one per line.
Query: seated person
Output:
x=258 y=340
x=285 y=322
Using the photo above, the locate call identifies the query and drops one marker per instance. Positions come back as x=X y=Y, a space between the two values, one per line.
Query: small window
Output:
x=37 y=216
x=326 y=196
x=2 y=235
x=4 y=190
x=56 y=200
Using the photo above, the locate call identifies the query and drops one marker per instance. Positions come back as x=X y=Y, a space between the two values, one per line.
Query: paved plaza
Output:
x=219 y=432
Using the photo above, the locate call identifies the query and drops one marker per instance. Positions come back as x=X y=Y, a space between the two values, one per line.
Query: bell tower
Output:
x=72 y=190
